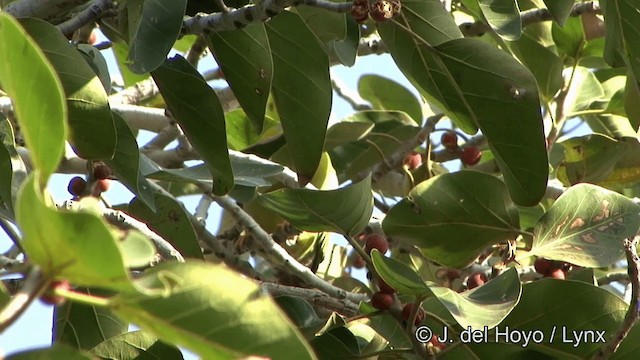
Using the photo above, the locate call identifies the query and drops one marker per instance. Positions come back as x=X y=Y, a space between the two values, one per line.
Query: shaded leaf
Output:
x=346 y=50
x=386 y=94
x=136 y=345
x=569 y=38
x=559 y=9
x=84 y=326
x=327 y=26
x=622 y=35
x=244 y=56
x=545 y=65
x=503 y=16
x=92 y=132
x=242 y=134
x=586 y=226
x=171 y=222
x=37 y=96
x=346 y=210
x=77 y=246
x=51 y=353
x=301 y=89
x=126 y=163
x=196 y=107
x=211 y=311
x=453 y=217
x=158 y=29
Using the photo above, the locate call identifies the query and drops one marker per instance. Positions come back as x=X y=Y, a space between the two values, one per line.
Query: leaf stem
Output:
x=82 y=297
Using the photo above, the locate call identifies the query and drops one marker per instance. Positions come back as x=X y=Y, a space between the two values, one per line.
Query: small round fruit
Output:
x=449 y=140
x=385 y=288
x=556 y=274
x=470 y=155
x=381 y=301
x=544 y=266
x=103 y=185
x=476 y=279
x=413 y=160
x=376 y=241
x=359 y=262
x=406 y=312
x=50 y=298
x=101 y=171
x=360 y=12
x=76 y=186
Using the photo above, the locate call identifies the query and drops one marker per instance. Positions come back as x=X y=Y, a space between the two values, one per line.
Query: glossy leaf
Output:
x=37 y=96
x=171 y=222
x=386 y=94
x=586 y=227
x=98 y=64
x=134 y=346
x=570 y=37
x=545 y=65
x=244 y=56
x=126 y=163
x=453 y=217
x=77 y=246
x=559 y=9
x=241 y=133
x=158 y=29
x=196 y=107
x=211 y=311
x=83 y=326
x=92 y=132
x=301 y=89
x=503 y=16
x=346 y=210
x=468 y=308
x=585 y=89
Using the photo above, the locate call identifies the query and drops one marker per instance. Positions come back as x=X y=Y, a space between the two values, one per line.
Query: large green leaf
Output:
x=196 y=107
x=503 y=16
x=84 y=326
x=126 y=163
x=386 y=94
x=245 y=59
x=92 y=133
x=622 y=38
x=327 y=26
x=468 y=79
x=545 y=65
x=346 y=210
x=486 y=305
x=559 y=9
x=211 y=311
x=158 y=29
x=170 y=221
x=76 y=245
x=346 y=51
x=569 y=38
x=301 y=89
x=453 y=217
x=136 y=345
x=585 y=89
x=37 y=96
x=586 y=227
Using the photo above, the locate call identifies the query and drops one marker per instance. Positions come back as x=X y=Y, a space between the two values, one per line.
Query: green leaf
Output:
x=326 y=26
x=126 y=163
x=13 y=171
x=301 y=313
x=83 y=326
x=120 y=51
x=631 y=100
x=346 y=50
x=92 y=132
x=51 y=353
x=138 y=251
x=386 y=94
x=159 y=27
x=622 y=35
x=453 y=217
x=245 y=59
x=545 y=65
x=77 y=246
x=585 y=89
x=570 y=37
x=469 y=308
x=241 y=133
x=337 y=343
x=346 y=210
x=503 y=16
x=586 y=226
x=170 y=220
x=211 y=311
x=346 y=131
x=98 y=64
x=301 y=89
x=136 y=345
x=36 y=94
x=196 y=107
x=559 y=9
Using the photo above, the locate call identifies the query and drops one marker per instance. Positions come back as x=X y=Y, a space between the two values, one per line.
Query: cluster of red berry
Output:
x=78 y=186
x=551 y=268
x=380 y=10
x=469 y=155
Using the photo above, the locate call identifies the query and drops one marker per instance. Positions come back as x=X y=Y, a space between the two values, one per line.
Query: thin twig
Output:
x=97 y=10
x=315 y=297
x=630 y=319
x=164 y=137
x=342 y=91
x=11 y=233
x=197 y=49
x=202 y=210
x=33 y=286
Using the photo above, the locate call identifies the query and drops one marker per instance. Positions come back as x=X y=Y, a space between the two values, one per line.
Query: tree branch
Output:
x=280 y=254
x=630 y=319
x=345 y=307
x=34 y=285
x=97 y=10
x=41 y=9
x=239 y=18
